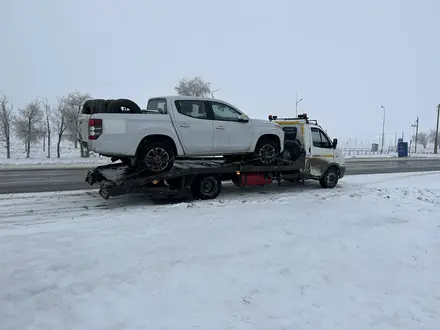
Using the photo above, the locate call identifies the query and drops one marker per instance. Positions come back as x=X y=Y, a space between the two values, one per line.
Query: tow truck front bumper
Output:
x=342 y=171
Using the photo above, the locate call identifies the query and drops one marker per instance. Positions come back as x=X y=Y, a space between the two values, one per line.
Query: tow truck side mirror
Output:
x=335 y=143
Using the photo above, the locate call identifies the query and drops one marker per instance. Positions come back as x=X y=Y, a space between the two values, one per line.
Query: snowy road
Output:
x=361 y=256
x=45 y=178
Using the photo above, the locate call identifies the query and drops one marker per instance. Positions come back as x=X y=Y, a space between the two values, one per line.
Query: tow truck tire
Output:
x=330 y=178
x=115 y=106
x=206 y=187
x=160 y=151
x=267 y=146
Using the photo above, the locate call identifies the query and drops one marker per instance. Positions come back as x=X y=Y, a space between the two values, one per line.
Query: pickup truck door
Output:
x=195 y=129
x=230 y=135
x=321 y=151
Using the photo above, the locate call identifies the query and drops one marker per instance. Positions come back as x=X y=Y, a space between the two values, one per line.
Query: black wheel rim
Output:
x=209 y=187
x=330 y=179
x=157 y=159
x=267 y=153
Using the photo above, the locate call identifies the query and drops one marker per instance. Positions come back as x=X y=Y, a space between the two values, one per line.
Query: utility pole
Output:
x=417 y=133
x=436 y=131
x=383 y=129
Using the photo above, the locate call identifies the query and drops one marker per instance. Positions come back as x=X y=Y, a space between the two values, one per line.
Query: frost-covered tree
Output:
x=29 y=124
x=193 y=87
x=6 y=120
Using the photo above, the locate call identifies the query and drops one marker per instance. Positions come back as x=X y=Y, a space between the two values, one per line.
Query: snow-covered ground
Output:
x=69 y=155
x=364 y=255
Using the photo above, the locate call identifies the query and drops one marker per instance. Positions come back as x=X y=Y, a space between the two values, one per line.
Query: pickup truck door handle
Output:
x=184 y=125
x=220 y=127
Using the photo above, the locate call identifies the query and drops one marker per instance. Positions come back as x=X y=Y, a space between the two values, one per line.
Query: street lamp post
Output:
x=296 y=106
x=212 y=93
x=383 y=128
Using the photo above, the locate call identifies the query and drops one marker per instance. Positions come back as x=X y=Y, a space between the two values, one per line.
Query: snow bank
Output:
x=361 y=256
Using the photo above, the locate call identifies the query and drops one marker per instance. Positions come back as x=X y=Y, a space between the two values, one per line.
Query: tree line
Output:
x=40 y=121
x=424 y=138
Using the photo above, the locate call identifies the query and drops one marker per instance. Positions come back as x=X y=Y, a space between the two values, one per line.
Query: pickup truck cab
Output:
x=176 y=126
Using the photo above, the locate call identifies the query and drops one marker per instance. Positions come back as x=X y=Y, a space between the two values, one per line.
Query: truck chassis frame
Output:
x=187 y=178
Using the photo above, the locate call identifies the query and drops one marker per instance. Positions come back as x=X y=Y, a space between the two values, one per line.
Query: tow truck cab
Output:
x=322 y=154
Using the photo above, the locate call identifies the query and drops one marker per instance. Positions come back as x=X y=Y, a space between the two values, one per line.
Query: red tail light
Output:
x=95 y=128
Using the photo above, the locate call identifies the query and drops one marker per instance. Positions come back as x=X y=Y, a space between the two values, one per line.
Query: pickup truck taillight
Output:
x=95 y=128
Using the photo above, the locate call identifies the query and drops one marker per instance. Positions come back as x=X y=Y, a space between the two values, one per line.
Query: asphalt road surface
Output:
x=41 y=180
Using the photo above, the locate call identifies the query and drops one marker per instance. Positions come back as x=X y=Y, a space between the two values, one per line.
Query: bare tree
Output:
x=59 y=122
x=193 y=87
x=431 y=137
x=29 y=124
x=422 y=138
x=75 y=102
x=6 y=120
x=48 y=117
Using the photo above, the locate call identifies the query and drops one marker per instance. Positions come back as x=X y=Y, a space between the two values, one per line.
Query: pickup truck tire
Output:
x=98 y=106
x=330 y=179
x=115 y=106
x=93 y=106
x=107 y=102
x=156 y=157
x=267 y=150
x=206 y=187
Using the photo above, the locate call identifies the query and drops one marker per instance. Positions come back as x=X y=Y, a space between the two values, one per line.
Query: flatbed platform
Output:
x=187 y=177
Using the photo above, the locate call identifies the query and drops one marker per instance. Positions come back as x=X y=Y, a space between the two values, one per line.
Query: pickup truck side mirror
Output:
x=242 y=118
x=335 y=143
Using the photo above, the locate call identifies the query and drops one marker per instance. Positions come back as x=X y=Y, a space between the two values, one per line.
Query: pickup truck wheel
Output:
x=157 y=157
x=330 y=178
x=266 y=151
x=207 y=187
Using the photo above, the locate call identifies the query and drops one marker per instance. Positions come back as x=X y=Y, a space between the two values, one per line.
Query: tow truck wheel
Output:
x=330 y=178
x=207 y=187
x=157 y=157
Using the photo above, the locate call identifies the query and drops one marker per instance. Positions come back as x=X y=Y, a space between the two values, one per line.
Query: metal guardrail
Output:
x=392 y=165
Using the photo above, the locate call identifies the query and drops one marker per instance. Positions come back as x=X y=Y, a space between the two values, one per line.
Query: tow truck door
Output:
x=320 y=151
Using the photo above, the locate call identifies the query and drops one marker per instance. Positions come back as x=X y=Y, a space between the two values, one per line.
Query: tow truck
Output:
x=308 y=154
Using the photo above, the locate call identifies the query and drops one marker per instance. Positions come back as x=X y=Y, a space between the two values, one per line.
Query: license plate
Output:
x=104 y=193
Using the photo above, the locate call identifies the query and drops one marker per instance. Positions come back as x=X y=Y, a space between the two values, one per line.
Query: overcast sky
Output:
x=346 y=57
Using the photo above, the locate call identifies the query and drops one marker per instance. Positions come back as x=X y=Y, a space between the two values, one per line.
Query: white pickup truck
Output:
x=175 y=126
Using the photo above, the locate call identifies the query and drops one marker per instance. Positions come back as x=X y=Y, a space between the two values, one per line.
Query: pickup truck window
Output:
x=194 y=109
x=157 y=105
x=223 y=112
x=319 y=139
